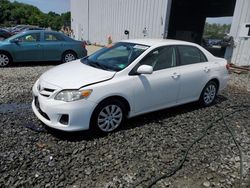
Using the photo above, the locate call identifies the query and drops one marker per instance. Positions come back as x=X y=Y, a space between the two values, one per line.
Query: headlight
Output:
x=72 y=95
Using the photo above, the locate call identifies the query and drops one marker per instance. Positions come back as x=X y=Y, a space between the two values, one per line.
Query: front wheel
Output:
x=5 y=60
x=209 y=93
x=68 y=56
x=108 y=116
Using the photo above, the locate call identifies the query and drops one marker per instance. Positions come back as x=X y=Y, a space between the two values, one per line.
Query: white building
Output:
x=96 y=20
x=240 y=30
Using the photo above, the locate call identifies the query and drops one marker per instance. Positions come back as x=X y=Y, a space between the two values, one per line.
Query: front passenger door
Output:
x=159 y=89
x=28 y=48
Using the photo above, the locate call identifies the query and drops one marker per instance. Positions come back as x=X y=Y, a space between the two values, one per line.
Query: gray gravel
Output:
x=145 y=148
x=241 y=81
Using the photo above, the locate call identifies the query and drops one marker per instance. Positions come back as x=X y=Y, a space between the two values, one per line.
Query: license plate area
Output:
x=37 y=104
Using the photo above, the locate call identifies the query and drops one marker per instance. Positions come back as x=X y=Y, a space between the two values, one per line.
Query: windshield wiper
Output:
x=96 y=64
x=99 y=65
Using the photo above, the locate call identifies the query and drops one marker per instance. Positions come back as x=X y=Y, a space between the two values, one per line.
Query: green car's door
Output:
x=28 y=48
x=54 y=45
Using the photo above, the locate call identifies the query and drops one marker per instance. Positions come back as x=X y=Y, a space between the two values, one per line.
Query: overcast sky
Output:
x=222 y=20
x=58 y=6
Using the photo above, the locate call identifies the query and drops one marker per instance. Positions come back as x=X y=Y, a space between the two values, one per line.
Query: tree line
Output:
x=14 y=13
x=216 y=31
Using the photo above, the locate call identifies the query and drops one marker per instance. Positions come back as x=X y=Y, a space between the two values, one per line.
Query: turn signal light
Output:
x=86 y=93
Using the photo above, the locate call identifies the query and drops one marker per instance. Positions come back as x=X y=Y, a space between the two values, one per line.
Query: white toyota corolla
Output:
x=130 y=78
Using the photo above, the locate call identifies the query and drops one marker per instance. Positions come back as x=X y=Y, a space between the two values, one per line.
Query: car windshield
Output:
x=14 y=36
x=116 y=57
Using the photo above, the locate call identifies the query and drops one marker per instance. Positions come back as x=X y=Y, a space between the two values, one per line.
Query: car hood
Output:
x=74 y=75
x=2 y=43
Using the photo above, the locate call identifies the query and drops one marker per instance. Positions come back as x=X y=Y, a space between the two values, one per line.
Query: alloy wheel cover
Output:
x=209 y=94
x=109 y=118
x=69 y=57
x=4 y=60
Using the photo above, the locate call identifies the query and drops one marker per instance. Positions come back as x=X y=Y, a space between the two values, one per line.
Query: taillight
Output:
x=84 y=44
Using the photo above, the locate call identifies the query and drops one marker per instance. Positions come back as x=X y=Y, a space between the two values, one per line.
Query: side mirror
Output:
x=145 y=69
x=15 y=41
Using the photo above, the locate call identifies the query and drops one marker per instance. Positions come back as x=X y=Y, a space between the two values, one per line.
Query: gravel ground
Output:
x=242 y=81
x=147 y=146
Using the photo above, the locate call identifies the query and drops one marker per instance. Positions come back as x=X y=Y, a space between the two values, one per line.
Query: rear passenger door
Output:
x=54 y=45
x=194 y=71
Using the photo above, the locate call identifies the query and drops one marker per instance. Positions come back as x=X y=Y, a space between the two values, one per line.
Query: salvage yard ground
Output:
x=147 y=146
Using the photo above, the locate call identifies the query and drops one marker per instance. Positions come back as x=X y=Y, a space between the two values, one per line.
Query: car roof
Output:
x=158 y=42
x=39 y=30
x=1 y=29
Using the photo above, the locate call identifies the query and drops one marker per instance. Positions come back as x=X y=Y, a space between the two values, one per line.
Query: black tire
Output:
x=208 y=94
x=98 y=118
x=68 y=56
x=5 y=59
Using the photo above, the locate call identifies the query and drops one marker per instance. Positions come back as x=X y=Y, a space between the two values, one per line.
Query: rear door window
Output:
x=190 y=55
x=51 y=37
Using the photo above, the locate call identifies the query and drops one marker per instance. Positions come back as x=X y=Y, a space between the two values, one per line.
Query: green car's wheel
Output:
x=68 y=56
x=5 y=59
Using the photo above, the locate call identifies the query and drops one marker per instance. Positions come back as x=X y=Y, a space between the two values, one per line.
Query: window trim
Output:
x=186 y=45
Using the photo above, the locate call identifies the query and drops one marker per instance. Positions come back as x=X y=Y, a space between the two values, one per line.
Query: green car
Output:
x=40 y=45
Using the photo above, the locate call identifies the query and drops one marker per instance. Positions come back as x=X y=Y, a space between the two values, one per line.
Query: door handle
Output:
x=206 y=69
x=175 y=75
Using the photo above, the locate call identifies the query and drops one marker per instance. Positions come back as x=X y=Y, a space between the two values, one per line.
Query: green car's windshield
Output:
x=116 y=57
x=14 y=36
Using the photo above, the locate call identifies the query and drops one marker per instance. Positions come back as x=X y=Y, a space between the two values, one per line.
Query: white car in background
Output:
x=130 y=78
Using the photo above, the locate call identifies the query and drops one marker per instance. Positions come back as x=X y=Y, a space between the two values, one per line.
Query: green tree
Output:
x=216 y=31
x=19 y=13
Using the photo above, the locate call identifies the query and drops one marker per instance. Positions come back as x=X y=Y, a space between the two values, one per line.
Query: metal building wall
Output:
x=241 y=51
x=143 y=18
x=79 y=19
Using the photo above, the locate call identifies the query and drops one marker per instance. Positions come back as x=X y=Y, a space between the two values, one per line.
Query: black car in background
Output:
x=4 y=34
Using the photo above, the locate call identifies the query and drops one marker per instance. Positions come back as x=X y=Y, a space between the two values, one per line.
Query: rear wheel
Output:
x=108 y=116
x=68 y=56
x=209 y=93
x=5 y=60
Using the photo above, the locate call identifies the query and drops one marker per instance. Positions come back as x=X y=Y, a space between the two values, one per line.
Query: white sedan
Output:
x=130 y=78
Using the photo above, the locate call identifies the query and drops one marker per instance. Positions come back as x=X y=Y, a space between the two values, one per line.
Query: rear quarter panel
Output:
x=77 y=47
x=219 y=71
x=218 y=68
